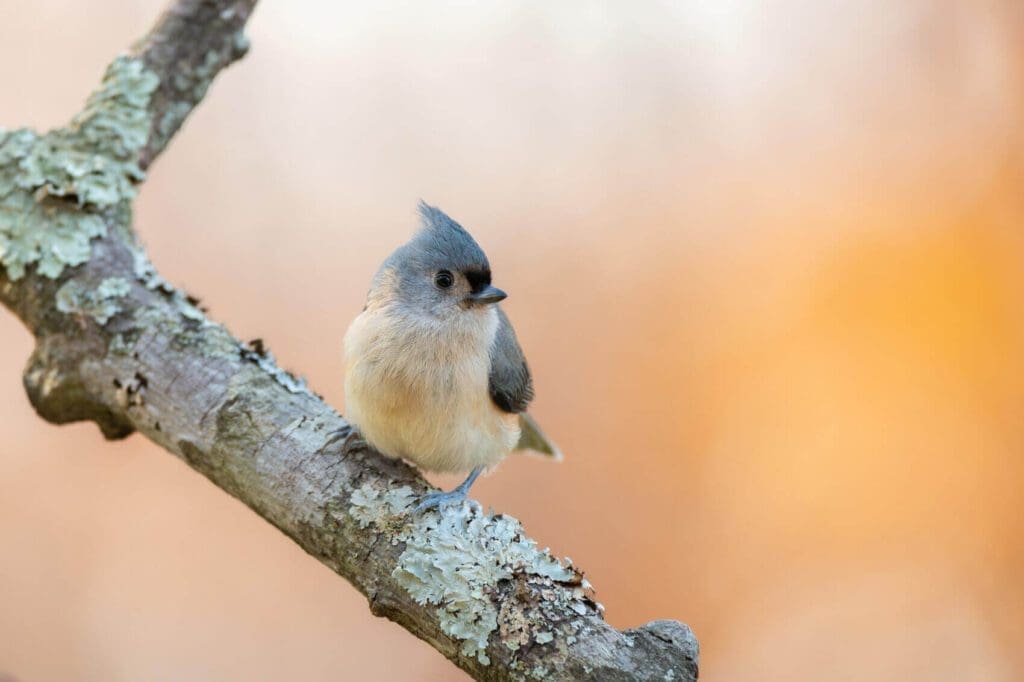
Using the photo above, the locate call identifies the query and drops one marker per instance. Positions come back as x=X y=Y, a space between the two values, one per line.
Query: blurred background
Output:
x=766 y=261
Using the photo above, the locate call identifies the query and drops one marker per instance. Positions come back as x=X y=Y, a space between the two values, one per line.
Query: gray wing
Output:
x=509 y=383
x=532 y=438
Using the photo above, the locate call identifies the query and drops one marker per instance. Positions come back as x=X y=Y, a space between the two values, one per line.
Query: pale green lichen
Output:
x=119 y=345
x=55 y=187
x=172 y=118
x=100 y=304
x=116 y=119
x=198 y=80
x=113 y=287
x=146 y=274
x=264 y=359
x=191 y=312
x=372 y=506
x=240 y=43
x=455 y=559
x=52 y=237
x=211 y=62
x=539 y=672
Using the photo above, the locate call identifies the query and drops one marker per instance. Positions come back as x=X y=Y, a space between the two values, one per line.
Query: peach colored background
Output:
x=765 y=259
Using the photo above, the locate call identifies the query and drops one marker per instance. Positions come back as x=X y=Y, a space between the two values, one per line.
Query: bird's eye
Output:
x=444 y=279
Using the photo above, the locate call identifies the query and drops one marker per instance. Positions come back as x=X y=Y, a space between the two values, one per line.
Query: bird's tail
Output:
x=532 y=438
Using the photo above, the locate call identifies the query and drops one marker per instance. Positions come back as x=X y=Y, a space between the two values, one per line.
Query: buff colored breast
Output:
x=419 y=390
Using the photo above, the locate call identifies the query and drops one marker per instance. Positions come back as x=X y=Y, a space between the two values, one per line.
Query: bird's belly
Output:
x=442 y=419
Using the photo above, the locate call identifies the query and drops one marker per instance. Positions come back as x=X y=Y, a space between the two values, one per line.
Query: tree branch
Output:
x=190 y=43
x=117 y=345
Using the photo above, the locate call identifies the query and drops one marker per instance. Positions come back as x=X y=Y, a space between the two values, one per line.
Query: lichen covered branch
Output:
x=189 y=45
x=118 y=345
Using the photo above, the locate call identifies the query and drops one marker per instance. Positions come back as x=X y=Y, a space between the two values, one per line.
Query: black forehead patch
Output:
x=478 y=278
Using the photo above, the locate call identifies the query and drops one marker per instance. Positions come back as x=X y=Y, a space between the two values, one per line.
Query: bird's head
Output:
x=441 y=271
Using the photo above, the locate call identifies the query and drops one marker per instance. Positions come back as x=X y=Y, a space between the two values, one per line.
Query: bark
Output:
x=117 y=345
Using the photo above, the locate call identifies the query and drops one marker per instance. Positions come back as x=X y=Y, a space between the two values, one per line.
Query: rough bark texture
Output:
x=117 y=345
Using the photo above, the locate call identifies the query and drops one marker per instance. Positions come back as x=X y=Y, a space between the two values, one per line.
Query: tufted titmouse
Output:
x=433 y=370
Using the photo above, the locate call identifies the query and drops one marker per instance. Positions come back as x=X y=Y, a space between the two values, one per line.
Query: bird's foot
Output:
x=446 y=499
x=344 y=438
x=441 y=499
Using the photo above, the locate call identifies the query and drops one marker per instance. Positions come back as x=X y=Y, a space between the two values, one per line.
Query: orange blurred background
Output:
x=766 y=261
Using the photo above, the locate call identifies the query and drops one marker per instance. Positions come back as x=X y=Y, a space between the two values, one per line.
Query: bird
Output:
x=434 y=373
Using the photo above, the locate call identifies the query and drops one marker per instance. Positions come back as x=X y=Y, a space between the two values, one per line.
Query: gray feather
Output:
x=532 y=438
x=510 y=385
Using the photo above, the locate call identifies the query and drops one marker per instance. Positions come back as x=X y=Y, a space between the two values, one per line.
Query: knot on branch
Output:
x=56 y=388
x=668 y=645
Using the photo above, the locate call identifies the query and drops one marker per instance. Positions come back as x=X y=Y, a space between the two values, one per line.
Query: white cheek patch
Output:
x=385 y=289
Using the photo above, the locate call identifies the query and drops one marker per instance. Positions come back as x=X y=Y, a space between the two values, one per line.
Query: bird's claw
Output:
x=441 y=499
x=446 y=499
x=347 y=436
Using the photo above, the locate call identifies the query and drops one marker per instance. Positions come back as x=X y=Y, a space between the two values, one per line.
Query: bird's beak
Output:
x=487 y=295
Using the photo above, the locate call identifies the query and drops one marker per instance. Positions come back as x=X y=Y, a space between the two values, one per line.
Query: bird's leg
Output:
x=345 y=436
x=443 y=499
